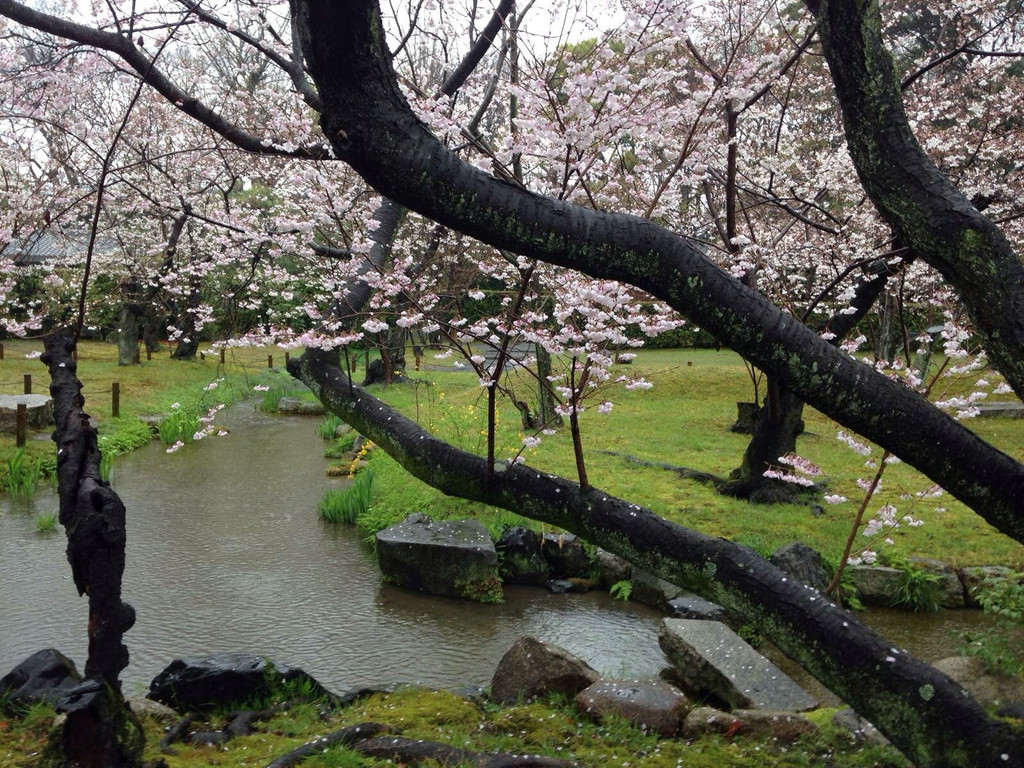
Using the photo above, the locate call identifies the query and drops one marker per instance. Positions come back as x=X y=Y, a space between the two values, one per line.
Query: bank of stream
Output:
x=225 y=553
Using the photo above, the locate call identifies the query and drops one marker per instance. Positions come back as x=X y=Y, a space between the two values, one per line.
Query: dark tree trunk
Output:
x=100 y=731
x=779 y=423
x=128 y=335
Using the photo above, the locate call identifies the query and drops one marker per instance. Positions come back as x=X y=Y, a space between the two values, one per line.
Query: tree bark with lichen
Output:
x=100 y=730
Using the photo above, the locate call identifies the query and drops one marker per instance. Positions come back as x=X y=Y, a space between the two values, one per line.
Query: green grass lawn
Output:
x=683 y=421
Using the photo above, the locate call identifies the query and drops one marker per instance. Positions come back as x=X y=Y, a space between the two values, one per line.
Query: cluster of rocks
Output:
x=39 y=412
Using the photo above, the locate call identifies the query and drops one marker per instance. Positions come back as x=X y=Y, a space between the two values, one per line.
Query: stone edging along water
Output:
x=459 y=559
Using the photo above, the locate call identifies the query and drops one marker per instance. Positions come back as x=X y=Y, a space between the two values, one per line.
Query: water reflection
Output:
x=225 y=554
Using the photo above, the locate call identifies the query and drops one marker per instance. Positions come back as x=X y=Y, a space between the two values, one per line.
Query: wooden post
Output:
x=22 y=425
x=149 y=353
x=202 y=356
x=28 y=383
x=270 y=361
x=1 y=351
x=222 y=356
x=287 y=357
x=115 y=399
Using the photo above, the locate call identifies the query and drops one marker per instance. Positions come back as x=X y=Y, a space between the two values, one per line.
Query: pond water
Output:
x=225 y=553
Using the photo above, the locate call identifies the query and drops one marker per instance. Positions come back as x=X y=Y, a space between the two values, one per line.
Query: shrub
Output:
x=999 y=647
x=346 y=505
x=621 y=590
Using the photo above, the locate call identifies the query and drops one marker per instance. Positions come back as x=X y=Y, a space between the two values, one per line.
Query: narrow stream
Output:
x=225 y=553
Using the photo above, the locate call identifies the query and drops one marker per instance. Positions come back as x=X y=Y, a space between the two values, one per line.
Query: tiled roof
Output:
x=50 y=245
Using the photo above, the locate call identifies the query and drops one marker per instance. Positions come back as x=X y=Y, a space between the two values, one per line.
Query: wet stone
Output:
x=521 y=558
x=39 y=412
x=784 y=727
x=453 y=558
x=649 y=704
x=532 y=668
x=46 y=675
x=712 y=659
x=689 y=606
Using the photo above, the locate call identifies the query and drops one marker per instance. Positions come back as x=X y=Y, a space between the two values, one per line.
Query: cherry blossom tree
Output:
x=587 y=147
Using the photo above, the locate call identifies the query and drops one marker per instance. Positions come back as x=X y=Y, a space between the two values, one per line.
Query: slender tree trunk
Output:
x=100 y=730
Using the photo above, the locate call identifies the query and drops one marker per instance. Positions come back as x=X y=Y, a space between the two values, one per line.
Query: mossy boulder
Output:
x=452 y=558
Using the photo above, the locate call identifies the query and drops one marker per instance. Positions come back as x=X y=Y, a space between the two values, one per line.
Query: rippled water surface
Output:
x=225 y=553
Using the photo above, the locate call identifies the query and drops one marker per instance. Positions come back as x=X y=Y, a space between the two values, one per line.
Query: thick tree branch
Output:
x=928 y=213
x=372 y=128
x=922 y=711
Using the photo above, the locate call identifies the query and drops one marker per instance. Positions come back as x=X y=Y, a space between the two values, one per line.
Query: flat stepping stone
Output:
x=689 y=606
x=652 y=705
x=1008 y=410
x=711 y=658
x=299 y=406
x=454 y=558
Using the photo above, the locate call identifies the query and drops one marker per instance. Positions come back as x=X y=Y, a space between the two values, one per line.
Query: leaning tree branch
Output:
x=372 y=128
x=928 y=716
x=924 y=208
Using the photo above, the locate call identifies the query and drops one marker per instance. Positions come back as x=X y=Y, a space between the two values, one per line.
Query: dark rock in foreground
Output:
x=453 y=558
x=565 y=553
x=650 y=704
x=532 y=668
x=712 y=659
x=195 y=683
x=46 y=675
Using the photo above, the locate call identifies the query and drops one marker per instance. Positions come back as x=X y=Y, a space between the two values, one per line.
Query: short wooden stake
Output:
x=28 y=383
x=270 y=361
x=115 y=399
x=149 y=353
x=287 y=359
x=21 y=429
x=1 y=351
x=222 y=357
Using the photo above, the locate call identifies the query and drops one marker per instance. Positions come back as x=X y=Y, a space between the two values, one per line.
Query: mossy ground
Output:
x=552 y=728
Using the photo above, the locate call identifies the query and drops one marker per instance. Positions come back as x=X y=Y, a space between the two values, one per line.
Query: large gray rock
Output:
x=712 y=659
x=39 y=412
x=877 y=584
x=195 y=683
x=973 y=577
x=801 y=563
x=987 y=690
x=299 y=406
x=784 y=727
x=44 y=676
x=532 y=668
x=652 y=590
x=689 y=606
x=566 y=556
x=454 y=558
x=611 y=569
x=521 y=559
x=650 y=704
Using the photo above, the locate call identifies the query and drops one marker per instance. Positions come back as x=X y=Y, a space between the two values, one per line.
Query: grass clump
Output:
x=916 y=590
x=22 y=474
x=327 y=427
x=178 y=426
x=348 y=505
x=46 y=522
